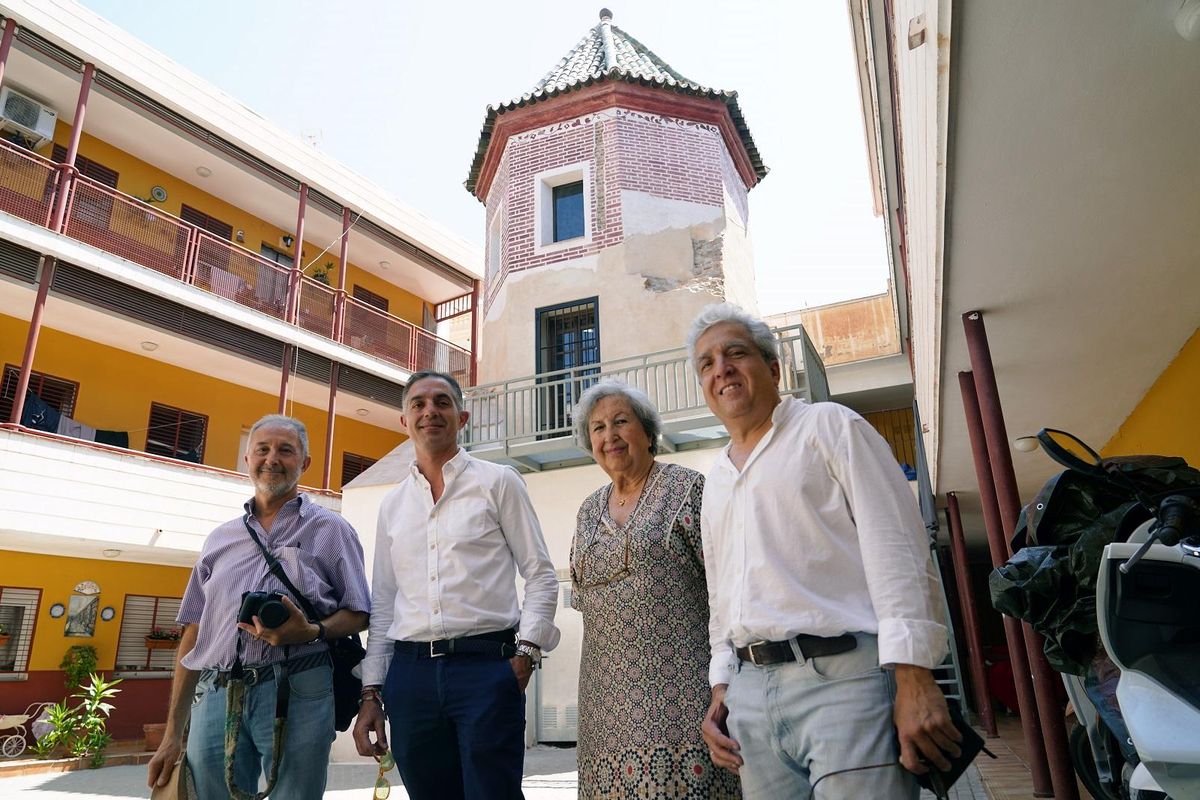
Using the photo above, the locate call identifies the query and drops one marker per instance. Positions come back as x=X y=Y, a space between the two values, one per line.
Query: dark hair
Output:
x=456 y=390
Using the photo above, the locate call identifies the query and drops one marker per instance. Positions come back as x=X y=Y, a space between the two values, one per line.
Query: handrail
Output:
x=149 y=236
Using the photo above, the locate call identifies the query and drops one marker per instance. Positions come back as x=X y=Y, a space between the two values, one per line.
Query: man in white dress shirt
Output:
x=824 y=624
x=443 y=655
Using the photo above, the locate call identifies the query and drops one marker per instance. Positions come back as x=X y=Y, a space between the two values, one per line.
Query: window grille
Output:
x=354 y=465
x=57 y=393
x=143 y=613
x=18 y=614
x=568 y=338
x=175 y=433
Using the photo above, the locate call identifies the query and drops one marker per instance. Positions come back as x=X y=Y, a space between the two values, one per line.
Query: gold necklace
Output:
x=621 y=501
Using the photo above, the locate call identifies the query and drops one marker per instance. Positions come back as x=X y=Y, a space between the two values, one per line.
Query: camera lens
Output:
x=273 y=613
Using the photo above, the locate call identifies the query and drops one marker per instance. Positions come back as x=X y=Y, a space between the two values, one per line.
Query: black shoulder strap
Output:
x=277 y=571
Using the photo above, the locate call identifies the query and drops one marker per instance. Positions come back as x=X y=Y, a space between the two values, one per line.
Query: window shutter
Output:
x=203 y=221
x=370 y=298
x=142 y=613
x=175 y=433
x=353 y=466
x=18 y=610
x=57 y=393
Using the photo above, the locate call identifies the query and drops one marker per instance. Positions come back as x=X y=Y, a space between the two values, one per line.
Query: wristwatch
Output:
x=532 y=652
x=320 y=637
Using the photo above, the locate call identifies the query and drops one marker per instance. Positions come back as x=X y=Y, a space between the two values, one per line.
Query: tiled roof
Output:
x=608 y=53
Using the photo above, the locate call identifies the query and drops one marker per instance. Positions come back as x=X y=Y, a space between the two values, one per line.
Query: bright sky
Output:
x=397 y=90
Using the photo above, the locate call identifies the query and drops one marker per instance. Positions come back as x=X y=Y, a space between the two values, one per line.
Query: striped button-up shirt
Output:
x=319 y=552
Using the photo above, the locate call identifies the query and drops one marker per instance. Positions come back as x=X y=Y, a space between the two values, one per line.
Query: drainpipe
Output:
x=1050 y=713
x=339 y=318
x=293 y=296
x=476 y=301
x=56 y=222
x=958 y=552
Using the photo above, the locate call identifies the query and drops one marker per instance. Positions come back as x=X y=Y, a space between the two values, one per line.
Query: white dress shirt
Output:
x=448 y=569
x=818 y=534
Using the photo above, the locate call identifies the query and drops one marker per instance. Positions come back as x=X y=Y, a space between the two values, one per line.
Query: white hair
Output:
x=760 y=332
x=643 y=409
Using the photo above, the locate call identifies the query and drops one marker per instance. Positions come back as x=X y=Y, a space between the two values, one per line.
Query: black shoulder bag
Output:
x=345 y=653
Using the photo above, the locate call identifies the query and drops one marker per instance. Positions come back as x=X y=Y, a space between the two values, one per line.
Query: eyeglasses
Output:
x=600 y=568
x=382 y=787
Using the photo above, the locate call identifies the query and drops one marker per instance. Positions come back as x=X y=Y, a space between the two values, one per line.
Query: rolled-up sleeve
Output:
x=895 y=549
x=521 y=529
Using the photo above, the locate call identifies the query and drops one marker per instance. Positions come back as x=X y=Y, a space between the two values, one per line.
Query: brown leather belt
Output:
x=761 y=654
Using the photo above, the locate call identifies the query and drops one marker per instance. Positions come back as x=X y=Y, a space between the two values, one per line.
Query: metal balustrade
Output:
x=529 y=420
x=133 y=229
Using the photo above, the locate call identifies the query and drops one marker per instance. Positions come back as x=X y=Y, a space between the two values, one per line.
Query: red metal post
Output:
x=64 y=184
x=339 y=319
x=1050 y=713
x=10 y=27
x=998 y=546
x=56 y=221
x=966 y=599
x=291 y=308
x=476 y=298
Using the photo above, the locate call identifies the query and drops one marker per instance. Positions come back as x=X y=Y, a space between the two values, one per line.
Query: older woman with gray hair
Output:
x=638 y=578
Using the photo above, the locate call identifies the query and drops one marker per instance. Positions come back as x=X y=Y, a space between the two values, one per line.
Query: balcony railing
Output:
x=135 y=230
x=522 y=418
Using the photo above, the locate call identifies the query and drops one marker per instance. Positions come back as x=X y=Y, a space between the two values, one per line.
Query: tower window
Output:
x=568 y=211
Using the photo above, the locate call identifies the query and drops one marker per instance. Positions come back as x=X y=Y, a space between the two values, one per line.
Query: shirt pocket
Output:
x=304 y=571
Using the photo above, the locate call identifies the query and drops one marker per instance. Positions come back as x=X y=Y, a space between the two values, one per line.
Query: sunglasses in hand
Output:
x=382 y=787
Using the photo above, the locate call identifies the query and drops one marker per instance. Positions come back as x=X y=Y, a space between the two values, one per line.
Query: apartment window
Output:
x=142 y=614
x=271 y=254
x=568 y=341
x=354 y=465
x=561 y=208
x=89 y=207
x=370 y=298
x=222 y=230
x=568 y=211
x=18 y=615
x=58 y=393
x=175 y=433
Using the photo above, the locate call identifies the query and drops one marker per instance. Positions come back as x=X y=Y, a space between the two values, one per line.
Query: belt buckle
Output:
x=433 y=654
x=750 y=651
x=250 y=676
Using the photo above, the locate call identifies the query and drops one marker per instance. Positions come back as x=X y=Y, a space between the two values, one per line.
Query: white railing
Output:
x=539 y=407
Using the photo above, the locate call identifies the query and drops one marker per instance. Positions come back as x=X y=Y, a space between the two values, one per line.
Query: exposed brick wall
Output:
x=664 y=157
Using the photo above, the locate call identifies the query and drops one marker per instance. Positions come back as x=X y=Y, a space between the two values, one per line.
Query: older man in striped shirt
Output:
x=284 y=669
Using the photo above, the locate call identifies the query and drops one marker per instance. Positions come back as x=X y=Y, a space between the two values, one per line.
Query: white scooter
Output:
x=1148 y=612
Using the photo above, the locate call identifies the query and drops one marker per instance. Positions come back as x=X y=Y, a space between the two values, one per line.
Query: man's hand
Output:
x=159 y=770
x=923 y=721
x=522 y=667
x=296 y=629
x=370 y=721
x=724 y=751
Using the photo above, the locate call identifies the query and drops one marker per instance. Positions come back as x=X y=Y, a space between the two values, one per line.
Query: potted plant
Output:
x=322 y=273
x=163 y=638
x=78 y=663
x=4 y=634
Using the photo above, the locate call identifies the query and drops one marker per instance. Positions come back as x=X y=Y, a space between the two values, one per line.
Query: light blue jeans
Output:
x=818 y=729
x=307 y=737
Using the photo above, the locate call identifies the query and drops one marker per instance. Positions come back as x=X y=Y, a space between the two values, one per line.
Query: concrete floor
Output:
x=549 y=775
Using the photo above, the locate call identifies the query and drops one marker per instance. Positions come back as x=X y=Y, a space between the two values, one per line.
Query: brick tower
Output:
x=616 y=196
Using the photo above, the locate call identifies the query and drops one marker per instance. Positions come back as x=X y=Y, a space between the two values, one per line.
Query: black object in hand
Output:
x=267 y=606
x=940 y=781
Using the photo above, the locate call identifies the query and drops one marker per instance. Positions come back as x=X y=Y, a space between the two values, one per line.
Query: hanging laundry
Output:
x=75 y=429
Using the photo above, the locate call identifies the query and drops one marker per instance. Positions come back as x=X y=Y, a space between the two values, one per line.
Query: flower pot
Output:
x=161 y=644
x=4 y=637
x=154 y=732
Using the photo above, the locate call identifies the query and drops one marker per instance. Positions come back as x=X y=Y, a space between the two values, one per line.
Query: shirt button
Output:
x=437 y=611
x=433 y=546
x=432 y=578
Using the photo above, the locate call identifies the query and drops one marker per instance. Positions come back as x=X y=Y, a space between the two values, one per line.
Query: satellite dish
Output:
x=159 y=194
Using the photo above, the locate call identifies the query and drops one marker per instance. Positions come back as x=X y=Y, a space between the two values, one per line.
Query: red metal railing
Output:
x=125 y=226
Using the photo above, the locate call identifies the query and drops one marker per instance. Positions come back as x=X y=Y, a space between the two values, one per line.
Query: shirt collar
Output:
x=779 y=416
x=449 y=470
x=300 y=502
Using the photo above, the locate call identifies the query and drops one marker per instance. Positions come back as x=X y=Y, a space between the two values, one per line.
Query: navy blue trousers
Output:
x=457 y=726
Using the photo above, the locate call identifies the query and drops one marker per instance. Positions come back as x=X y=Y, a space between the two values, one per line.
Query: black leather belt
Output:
x=500 y=644
x=261 y=673
x=760 y=654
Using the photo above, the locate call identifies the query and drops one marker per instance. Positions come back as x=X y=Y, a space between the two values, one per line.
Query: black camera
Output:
x=267 y=606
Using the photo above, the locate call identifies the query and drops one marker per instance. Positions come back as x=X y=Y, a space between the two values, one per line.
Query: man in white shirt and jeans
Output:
x=443 y=655
x=824 y=625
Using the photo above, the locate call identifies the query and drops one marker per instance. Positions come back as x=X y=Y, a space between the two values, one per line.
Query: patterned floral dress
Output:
x=643 y=676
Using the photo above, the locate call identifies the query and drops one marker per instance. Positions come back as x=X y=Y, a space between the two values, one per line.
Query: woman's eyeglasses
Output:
x=382 y=787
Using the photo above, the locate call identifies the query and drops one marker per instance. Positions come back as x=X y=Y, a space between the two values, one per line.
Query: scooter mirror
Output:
x=1070 y=451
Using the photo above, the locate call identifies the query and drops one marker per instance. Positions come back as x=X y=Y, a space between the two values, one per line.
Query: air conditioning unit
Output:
x=27 y=116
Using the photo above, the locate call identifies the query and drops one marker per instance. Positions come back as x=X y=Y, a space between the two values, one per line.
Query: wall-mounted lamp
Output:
x=1025 y=444
x=288 y=241
x=240 y=235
